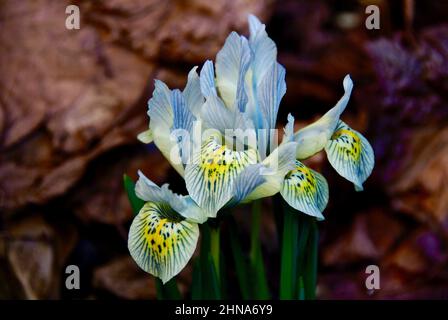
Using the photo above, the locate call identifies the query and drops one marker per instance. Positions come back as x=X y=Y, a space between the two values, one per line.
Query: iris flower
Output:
x=219 y=134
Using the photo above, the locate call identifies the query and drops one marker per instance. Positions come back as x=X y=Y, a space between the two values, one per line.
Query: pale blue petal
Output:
x=247 y=181
x=232 y=62
x=254 y=25
x=160 y=111
x=282 y=159
x=147 y=190
x=183 y=117
x=207 y=79
x=270 y=93
x=159 y=106
x=333 y=114
x=289 y=130
x=191 y=211
x=192 y=92
x=276 y=165
x=216 y=116
x=264 y=55
x=263 y=48
x=265 y=82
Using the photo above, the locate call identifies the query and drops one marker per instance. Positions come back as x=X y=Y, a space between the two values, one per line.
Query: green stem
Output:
x=159 y=289
x=311 y=261
x=261 y=288
x=168 y=291
x=241 y=266
x=288 y=267
x=214 y=248
x=304 y=229
x=255 y=229
x=196 y=286
x=210 y=277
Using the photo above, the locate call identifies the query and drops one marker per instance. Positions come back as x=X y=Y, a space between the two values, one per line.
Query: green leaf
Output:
x=215 y=249
x=223 y=283
x=129 y=186
x=241 y=265
x=289 y=254
x=304 y=228
x=210 y=281
x=196 y=285
x=167 y=291
x=214 y=288
x=172 y=290
x=301 y=289
x=261 y=288
x=278 y=202
x=310 y=278
x=159 y=289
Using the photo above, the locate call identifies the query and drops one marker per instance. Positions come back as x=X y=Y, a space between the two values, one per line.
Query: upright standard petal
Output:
x=264 y=55
x=183 y=119
x=160 y=241
x=232 y=62
x=207 y=79
x=182 y=116
x=210 y=177
x=159 y=106
x=216 y=116
x=263 y=48
x=314 y=137
x=192 y=92
x=350 y=154
x=269 y=94
x=161 y=115
x=305 y=190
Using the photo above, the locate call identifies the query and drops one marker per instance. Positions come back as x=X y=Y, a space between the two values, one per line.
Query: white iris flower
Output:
x=219 y=134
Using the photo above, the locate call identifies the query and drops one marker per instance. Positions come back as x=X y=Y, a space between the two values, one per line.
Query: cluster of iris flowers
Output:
x=220 y=135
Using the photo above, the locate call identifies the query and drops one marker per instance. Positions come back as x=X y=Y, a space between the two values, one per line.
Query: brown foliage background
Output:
x=73 y=101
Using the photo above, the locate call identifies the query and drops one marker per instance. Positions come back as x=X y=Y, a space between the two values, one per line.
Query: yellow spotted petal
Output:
x=160 y=241
x=305 y=190
x=211 y=175
x=350 y=154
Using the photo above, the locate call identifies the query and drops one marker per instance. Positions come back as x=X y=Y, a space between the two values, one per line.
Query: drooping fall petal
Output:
x=305 y=190
x=350 y=154
x=211 y=175
x=161 y=241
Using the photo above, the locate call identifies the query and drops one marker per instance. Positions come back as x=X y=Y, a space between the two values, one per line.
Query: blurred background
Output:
x=73 y=101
